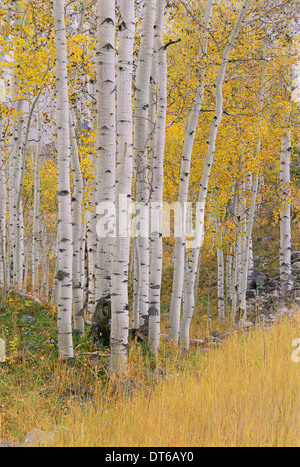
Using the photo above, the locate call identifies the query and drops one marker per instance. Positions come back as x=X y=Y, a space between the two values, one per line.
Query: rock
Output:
x=214 y=344
x=101 y=322
x=256 y=260
x=158 y=375
x=9 y=444
x=57 y=431
x=35 y=437
x=127 y=388
x=29 y=346
x=250 y=294
x=272 y=283
x=295 y=256
x=257 y=279
x=243 y=324
x=26 y=320
x=261 y=280
x=296 y=266
x=215 y=334
x=265 y=239
x=263 y=317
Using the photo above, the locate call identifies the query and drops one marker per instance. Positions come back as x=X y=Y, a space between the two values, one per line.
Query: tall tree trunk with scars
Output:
x=36 y=244
x=189 y=139
x=106 y=141
x=78 y=312
x=159 y=78
x=141 y=113
x=189 y=304
x=2 y=217
x=255 y=185
x=64 y=272
x=121 y=252
x=285 y=216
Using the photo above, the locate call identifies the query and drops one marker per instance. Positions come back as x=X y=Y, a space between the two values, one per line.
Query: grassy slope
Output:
x=246 y=393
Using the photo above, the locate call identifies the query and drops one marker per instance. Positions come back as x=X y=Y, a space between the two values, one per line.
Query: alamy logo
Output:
x=123 y=219
x=2 y=351
x=296 y=353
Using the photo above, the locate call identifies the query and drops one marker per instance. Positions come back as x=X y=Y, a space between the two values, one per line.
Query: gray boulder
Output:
x=26 y=320
x=295 y=256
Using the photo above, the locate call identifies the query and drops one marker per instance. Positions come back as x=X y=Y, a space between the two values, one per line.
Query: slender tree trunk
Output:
x=78 y=312
x=106 y=140
x=255 y=185
x=64 y=273
x=121 y=252
x=189 y=139
x=285 y=217
x=159 y=77
x=189 y=305
x=36 y=209
x=3 y=201
x=141 y=109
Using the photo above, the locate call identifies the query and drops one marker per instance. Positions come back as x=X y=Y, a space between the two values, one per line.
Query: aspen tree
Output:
x=142 y=192
x=159 y=78
x=77 y=198
x=2 y=216
x=285 y=215
x=189 y=304
x=36 y=234
x=106 y=139
x=255 y=185
x=121 y=251
x=189 y=139
x=64 y=272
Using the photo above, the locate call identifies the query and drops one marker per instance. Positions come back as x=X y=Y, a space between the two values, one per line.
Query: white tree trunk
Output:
x=189 y=139
x=2 y=216
x=285 y=217
x=255 y=185
x=121 y=252
x=141 y=109
x=64 y=273
x=189 y=305
x=159 y=77
x=36 y=244
x=78 y=312
x=106 y=138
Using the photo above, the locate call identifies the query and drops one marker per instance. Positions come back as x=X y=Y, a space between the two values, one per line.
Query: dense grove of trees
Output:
x=116 y=113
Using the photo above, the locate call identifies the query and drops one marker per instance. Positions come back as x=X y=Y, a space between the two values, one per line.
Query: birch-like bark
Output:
x=2 y=216
x=189 y=305
x=121 y=252
x=106 y=138
x=221 y=278
x=91 y=236
x=246 y=260
x=141 y=114
x=189 y=139
x=159 y=77
x=36 y=234
x=255 y=185
x=229 y=279
x=14 y=187
x=285 y=216
x=64 y=273
x=236 y=255
x=78 y=312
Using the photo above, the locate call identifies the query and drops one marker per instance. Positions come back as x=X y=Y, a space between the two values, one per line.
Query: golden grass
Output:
x=244 y=394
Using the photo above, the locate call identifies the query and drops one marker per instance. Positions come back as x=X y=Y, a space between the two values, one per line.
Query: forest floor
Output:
x=245 y=392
